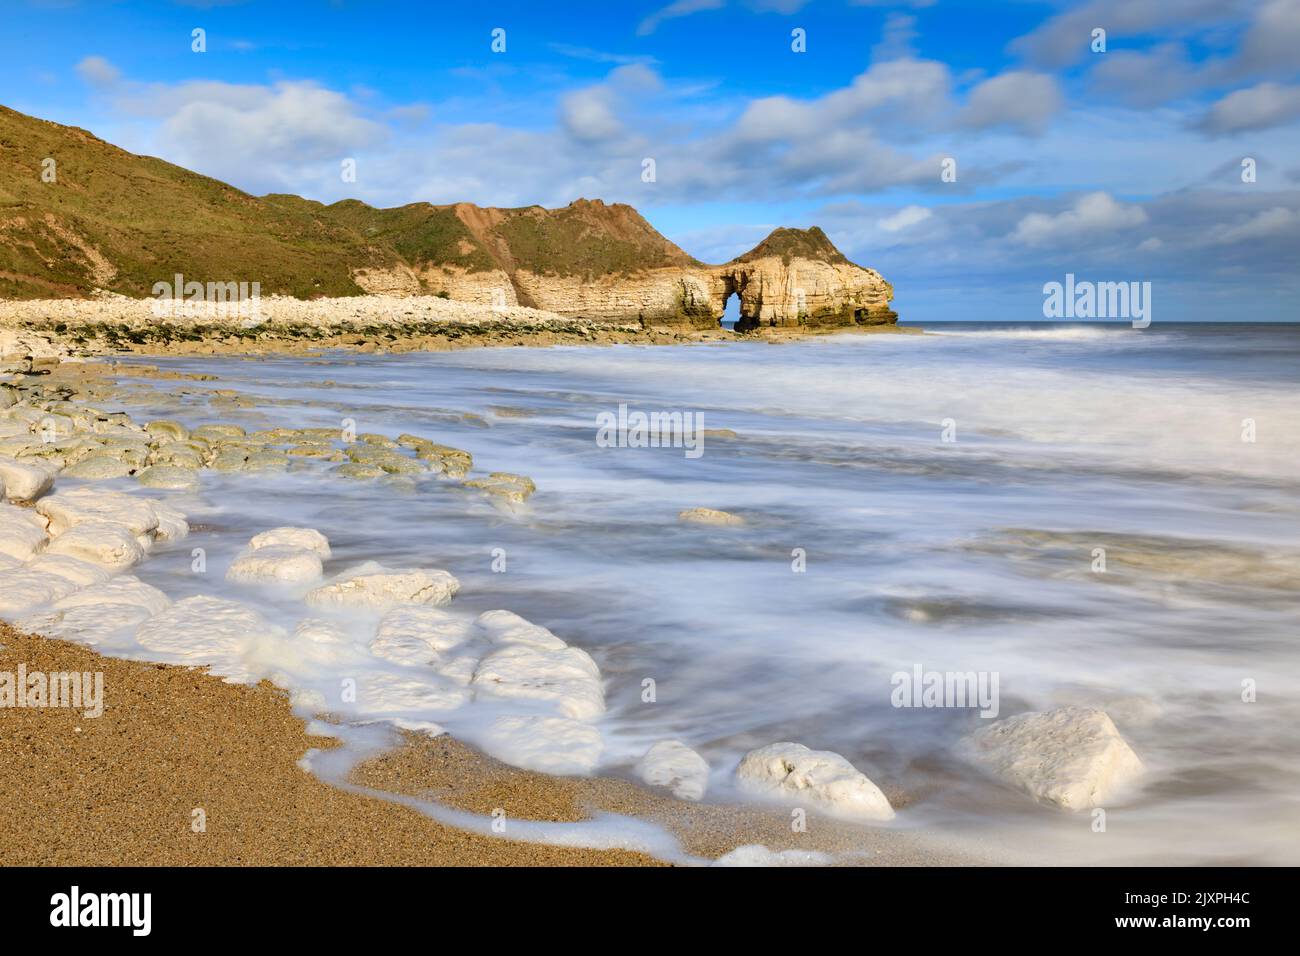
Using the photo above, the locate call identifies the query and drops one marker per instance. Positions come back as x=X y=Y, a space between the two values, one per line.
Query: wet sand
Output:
x=121 y=789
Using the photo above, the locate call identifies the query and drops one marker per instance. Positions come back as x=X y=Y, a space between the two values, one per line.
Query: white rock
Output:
x=172 y=525
x=755 y=855
x=567 y=677
x=710 y=516
x=321 y=632
x=24 y=481
x=1073 y=757
x=374 y=586
x=276 y=563
x=547 y=744
x=110 y=546
x=89 y=624
x=207 y=630
x=385 y=693
x=80 y=573
x=672 y=764
x=22 y=590
x=440 y=630
x=307 y=538
x=817 y=779
x=22 y=532
x=67 y=509
x=506 y=627
x=126 y=589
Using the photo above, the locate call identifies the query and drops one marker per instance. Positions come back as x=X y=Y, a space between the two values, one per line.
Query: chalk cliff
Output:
x=79 y=215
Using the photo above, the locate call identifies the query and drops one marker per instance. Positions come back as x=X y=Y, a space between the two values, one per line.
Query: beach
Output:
x=478 y=476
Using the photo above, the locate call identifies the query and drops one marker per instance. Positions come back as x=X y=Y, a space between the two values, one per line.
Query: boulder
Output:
x=111 y=546
x=672 y=764
x=276 y=564
x=1073 y=758
x=566 y=677
x=170 y=477
x=22 y=532
x=710 y=516
x=24 y=480
x=306 y=538
x=376 y=587
x=507 y=627
x=556 y=745
x=66 y=509
x=816 y=779
x=98 y=468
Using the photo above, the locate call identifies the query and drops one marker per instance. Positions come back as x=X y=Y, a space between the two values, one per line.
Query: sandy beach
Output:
x=124 y=788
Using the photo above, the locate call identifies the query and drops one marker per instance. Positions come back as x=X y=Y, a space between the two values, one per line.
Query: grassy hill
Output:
x=116 y=221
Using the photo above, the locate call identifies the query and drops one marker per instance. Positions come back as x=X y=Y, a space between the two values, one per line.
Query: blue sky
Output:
x=1115 y=165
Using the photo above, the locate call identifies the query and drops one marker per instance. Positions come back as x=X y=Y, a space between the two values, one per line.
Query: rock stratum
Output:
x=79 y=216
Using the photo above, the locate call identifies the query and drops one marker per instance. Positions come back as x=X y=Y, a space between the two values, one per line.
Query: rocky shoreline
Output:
x=41 y=330
x=67 y=555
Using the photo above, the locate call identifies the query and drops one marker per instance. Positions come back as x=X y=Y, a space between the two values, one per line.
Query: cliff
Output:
x=78 y=215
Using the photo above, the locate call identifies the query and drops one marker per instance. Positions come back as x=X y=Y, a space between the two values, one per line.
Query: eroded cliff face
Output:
x=121 y=223
x=606 y=263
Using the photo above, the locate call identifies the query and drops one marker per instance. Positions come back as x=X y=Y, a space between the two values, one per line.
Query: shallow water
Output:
x=966 y=555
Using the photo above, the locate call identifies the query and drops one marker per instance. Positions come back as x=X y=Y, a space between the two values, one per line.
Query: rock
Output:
x=356 y=470
x=754 y=854
x=373 y=586
x=203 y=630
x=98 y=468
x=67 y=509
x=414 y=634
x=412 y=694
x=216 y=433
x=507 y=627
x=22 y=589
x=1073 y=757
x=276 y=563
x=24 y=481
x=818 y=779
x=166 y=428
x=555 y=745
x=172 y=477
x=306 y=538
x=710 y=516
x=566 y=677
x=78 y=572
x=672 y=764
x=22 y=532
x=111 y=546
x=123 y=589
x=88 y=625
x=316 y=631
x=513 y=488
x=172 y=525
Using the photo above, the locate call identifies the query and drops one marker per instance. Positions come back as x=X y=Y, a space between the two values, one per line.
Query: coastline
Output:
x=121 y=789
x=174 y=738
x=61 y=328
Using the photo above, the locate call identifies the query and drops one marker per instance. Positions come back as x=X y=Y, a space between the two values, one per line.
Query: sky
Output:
x=1116 y=158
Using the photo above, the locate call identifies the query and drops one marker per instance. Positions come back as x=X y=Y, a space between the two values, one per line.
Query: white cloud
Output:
x=98 y=72
x=1093 y=214
x=905 y=218
x=681 y=8
x=1020 y=100
x=1259 y=107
